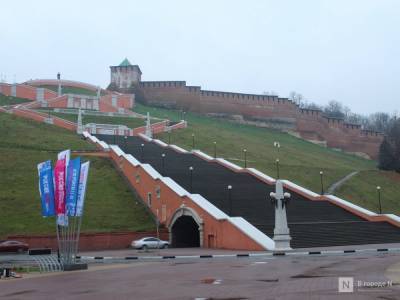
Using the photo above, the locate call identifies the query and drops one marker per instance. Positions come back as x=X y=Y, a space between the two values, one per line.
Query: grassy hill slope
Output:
x=130 y=122
x=300 y=161
x=71 y=90
x=9 y=100
x=110 y=206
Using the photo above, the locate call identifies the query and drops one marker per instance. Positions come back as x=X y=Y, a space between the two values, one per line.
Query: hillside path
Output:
x=338 y=183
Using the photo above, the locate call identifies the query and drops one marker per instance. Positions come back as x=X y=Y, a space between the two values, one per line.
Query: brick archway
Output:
x=188 y=217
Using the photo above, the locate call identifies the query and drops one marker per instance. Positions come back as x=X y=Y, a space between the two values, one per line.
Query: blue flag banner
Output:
x=46 y=188
x=73 y=174
x=82 y=188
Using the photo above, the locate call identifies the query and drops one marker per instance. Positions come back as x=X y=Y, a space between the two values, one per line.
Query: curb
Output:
x=242 y=255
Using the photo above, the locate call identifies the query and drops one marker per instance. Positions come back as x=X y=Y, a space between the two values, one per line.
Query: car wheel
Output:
x=165 y=246
x=20 y=250
x=145 y=248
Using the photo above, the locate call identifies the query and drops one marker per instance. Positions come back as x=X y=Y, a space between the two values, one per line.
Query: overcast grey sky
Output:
x=345 y=50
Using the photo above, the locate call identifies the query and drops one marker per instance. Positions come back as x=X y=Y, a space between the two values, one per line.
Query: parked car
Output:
x=149 y=242
x=13 y=246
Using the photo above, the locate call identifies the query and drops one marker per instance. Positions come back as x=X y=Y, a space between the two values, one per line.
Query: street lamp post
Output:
x=277 y=145
x=378 y=188
x=163 y=163
x=230 y=199
x=277 y=168
x=142 y=151
x=215 y=149
x=321 y=173
x=125 y=139
x=191 y=178
x=192 y=140
x=169 y=136
x=184 y=115
x=245 y=157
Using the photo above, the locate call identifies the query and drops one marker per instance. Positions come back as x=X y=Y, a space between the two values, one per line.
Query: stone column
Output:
x=79 y=127
x=59 y=92
x=281 y=232
x=98 y=92
x=14 y=90
x=148 y=132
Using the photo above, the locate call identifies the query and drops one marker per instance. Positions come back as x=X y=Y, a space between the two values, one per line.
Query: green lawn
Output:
x=300 y=161
x=71 y=90
x=130 y=122
x=110 y=206
x=9 y=100
x=361 y=190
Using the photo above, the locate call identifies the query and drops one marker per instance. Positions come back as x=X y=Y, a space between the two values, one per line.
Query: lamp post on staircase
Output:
x=191 y=178
x=163 y=163
x=245 y=157
x=378 y=189
x=230 y=199
x=277 y=168
x=321 y=173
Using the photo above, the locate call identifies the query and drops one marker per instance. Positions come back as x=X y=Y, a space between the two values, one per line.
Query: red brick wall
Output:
x=90 y=241
x=337 y=134
x=225 y=234
x=310 y=124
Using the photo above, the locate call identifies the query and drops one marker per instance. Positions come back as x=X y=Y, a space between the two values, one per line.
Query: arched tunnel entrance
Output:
x=185 y=232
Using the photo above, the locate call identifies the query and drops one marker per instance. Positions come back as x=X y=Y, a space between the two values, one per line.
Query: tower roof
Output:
x=125 y=63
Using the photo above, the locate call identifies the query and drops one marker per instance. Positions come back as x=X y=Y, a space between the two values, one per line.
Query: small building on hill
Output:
x=125 y=75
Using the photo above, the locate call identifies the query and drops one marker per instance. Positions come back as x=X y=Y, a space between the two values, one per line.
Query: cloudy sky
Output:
x=344 y=50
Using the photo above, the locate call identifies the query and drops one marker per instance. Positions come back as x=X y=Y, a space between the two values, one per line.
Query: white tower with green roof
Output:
x=125 y=75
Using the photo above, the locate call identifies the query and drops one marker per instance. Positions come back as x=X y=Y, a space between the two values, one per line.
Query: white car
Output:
x=149 y=242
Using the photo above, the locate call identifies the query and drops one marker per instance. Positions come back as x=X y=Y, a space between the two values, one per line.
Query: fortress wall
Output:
x=172 y=94
x=176 y=94
x=247 y=105
x=311 y=124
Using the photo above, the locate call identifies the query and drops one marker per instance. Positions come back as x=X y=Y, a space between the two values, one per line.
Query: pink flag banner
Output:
x=59 y=186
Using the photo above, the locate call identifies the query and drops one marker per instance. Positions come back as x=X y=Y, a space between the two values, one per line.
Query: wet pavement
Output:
x=306 y=277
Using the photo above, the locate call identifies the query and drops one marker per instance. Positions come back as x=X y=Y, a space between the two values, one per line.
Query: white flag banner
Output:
x=82 y=188
x=66 y=154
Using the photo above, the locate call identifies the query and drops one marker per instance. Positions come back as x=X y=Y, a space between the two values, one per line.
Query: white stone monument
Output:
x=98 y=92
x=59 y=93
x=148 y=132
x=79 y=127
x=281 y=232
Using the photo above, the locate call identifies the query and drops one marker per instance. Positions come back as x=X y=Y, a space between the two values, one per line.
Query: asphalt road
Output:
x=305 y=277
